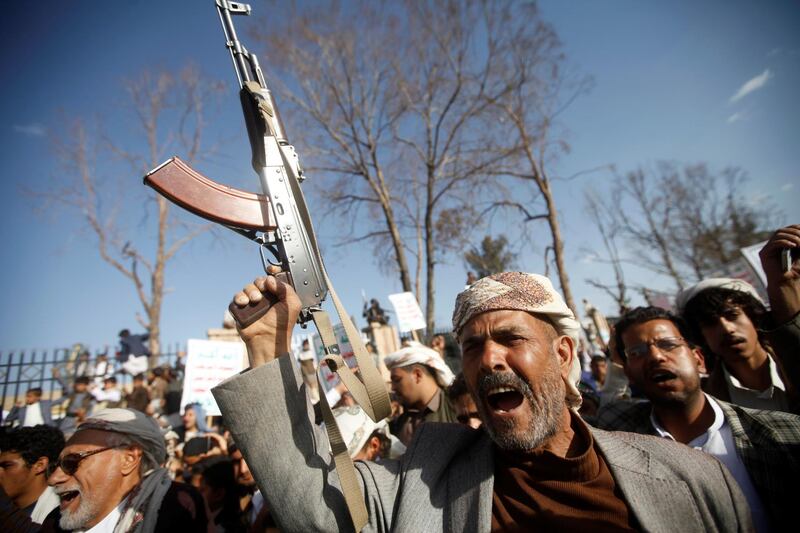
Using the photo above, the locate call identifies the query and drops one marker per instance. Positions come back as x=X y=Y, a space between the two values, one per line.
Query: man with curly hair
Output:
x=752 y=352
x=25 y=454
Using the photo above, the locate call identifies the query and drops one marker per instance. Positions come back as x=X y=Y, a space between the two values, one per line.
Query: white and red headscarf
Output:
x=520 y=291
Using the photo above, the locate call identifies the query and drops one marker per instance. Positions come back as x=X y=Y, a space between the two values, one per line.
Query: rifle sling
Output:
x=370 y=394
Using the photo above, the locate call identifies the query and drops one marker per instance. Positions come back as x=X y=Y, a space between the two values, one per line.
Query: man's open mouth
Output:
x=67 y=497
x=662 y=376
x=735 y=341
x=504 y=399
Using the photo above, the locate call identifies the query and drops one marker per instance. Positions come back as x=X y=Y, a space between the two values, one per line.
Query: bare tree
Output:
x=716 y=219
x=394 y=107
x=447 y=89
x=646 y=225
x=110 y=199
x=602 y=214
x=344 y=100
x=687 y=222
x=492 y=257
x=541 y=90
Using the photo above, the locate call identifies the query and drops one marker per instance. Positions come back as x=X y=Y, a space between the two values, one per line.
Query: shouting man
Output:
x=109 y=477
x=535 y=463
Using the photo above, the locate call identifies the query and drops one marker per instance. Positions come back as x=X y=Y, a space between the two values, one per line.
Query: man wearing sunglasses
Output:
x=109 y=478
x=760 y=448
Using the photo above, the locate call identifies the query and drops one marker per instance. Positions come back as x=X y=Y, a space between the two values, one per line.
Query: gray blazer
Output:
x=444 y=482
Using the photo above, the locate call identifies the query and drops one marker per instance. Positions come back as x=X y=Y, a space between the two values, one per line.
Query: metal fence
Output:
x=21 y=370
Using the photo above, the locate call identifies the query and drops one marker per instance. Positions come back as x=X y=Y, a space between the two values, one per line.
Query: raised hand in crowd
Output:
x=271 y=335
x=783 y=287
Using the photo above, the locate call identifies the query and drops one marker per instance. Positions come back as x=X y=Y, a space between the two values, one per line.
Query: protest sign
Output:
x=750 y=254
x=409 y=314
x=207 y=364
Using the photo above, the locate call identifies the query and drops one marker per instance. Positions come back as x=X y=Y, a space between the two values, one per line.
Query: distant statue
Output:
x=471 y=278
x=374 y=313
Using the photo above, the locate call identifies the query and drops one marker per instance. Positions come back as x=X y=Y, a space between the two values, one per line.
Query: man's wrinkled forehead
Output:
x=506 y=322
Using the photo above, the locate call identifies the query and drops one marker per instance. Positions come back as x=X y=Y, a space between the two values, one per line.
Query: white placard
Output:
x=409 y=315
x=331 y=379
x=207 y=364
x=751 y=255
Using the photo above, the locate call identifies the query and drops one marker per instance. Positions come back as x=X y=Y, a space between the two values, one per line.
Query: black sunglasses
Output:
x=70 y=462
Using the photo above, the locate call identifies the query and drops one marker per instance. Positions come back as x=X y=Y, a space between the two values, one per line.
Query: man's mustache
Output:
x=488 y=382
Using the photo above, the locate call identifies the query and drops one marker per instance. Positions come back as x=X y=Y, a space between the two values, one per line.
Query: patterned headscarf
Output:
x=687 y=295
x=520 y=291
x=417 y=353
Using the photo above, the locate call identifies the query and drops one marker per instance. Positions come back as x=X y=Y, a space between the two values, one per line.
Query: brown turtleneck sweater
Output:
x=542 y=490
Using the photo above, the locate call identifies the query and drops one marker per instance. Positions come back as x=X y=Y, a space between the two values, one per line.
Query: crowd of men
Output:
x=689 y=422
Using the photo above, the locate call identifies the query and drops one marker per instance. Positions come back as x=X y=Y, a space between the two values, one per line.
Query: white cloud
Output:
x=786 y=187
x=735 y=117
x=752 y=85
x=32 y=130
x=774 y=52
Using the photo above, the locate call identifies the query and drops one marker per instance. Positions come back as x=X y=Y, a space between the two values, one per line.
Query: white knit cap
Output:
x=417 y=353
x=686 y=296
x=356 y=428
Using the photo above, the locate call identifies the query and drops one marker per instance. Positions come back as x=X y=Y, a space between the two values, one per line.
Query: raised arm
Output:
x=783 y=289
x=271 y=419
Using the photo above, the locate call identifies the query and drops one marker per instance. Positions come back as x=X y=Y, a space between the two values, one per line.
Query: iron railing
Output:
x=21 y=370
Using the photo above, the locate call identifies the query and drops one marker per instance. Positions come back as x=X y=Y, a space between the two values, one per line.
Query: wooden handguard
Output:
x=213 y=201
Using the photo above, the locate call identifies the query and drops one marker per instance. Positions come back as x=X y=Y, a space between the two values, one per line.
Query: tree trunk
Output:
x=558 y=244
x=430 y=262
x=397 y=245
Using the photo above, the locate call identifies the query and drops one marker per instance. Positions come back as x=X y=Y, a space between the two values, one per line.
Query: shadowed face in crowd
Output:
x=241 y=471
x=669 y=373
x=513 y=364
x=412 y=385
x=189 y=419
x=31 y=397
x=732 y=335
x=599 y=369
x=467 y=411
x=16 y=476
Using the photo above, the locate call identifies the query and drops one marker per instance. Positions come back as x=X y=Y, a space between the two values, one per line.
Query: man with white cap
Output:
x=536 y=464
x=366 y=440
x=419 y=378
x=109 y=478
x=755 y=353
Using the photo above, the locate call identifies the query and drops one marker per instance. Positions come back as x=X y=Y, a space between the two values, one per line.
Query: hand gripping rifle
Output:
x=278 y=220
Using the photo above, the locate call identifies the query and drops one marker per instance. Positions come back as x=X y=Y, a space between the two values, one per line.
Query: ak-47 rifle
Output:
x=278 y=220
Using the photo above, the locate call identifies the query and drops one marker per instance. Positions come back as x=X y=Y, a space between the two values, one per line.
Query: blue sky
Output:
x=665 y=79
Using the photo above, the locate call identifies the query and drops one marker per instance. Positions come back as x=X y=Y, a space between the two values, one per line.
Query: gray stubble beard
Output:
x=546 y=411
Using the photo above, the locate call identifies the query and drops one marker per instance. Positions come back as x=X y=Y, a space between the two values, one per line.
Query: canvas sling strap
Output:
x=369 y=392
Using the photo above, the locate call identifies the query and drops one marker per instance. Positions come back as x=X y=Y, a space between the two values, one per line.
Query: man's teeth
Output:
x=499 y=390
